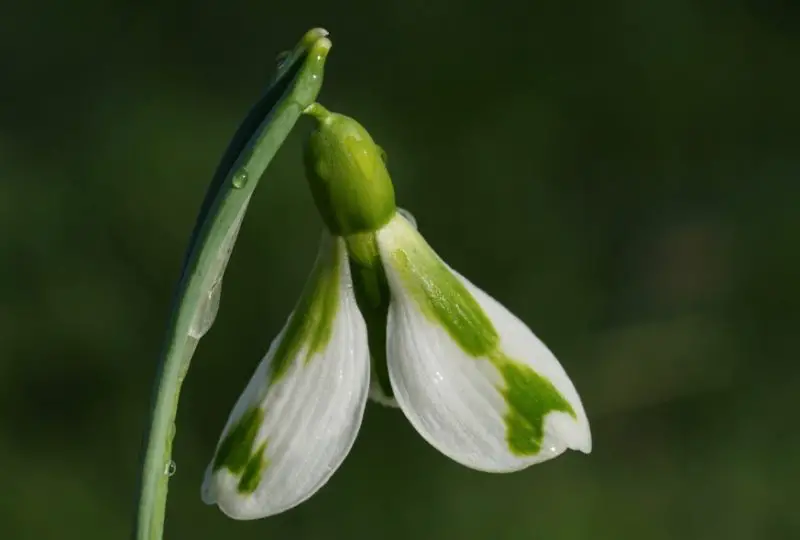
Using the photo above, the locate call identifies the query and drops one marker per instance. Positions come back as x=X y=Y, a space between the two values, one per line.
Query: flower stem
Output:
x=255 y=143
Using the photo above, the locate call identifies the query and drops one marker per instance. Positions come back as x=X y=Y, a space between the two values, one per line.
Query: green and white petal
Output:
x=300 y=413
x=471 y=377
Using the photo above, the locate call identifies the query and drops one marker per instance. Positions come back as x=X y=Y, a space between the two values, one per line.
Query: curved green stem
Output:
x=294 y=88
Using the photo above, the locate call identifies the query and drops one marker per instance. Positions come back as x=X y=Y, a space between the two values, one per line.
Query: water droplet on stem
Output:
x=240 y=179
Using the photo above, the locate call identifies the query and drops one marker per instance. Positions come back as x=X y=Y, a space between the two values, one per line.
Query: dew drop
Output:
x=170 y=468
x=240 y=179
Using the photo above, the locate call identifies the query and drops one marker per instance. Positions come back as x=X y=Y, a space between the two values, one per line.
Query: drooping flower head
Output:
x=382 y=316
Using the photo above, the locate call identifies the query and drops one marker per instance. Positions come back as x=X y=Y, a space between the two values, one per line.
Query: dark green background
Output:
x=623 y=175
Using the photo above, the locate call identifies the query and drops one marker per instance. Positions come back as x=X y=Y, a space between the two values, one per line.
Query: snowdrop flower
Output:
x=383 y=316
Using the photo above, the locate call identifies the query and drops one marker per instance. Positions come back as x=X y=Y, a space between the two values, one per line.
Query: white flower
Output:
x=382 y=315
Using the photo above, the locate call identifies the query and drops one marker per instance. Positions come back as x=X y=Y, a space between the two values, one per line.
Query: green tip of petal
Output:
x=251 y=475
x=530 y=399
x=234 y=452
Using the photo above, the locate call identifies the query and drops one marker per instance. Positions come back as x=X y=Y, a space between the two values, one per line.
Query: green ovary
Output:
x=347 y=175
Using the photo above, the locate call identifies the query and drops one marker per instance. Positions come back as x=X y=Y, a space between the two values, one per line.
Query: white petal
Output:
x=305 y=415
x=479 y=400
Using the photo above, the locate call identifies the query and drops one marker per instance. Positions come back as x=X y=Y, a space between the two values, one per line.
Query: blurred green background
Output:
x=623 y=175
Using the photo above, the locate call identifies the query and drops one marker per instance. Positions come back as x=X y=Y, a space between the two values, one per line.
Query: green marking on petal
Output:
x=442 y=297
x=251 y=476
x=310 y=326
x=311 y=322
x=530 y=398
x=234 y=450
x=444 y=300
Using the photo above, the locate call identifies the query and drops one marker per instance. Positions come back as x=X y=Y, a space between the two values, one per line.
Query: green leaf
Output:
x=295 y=86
